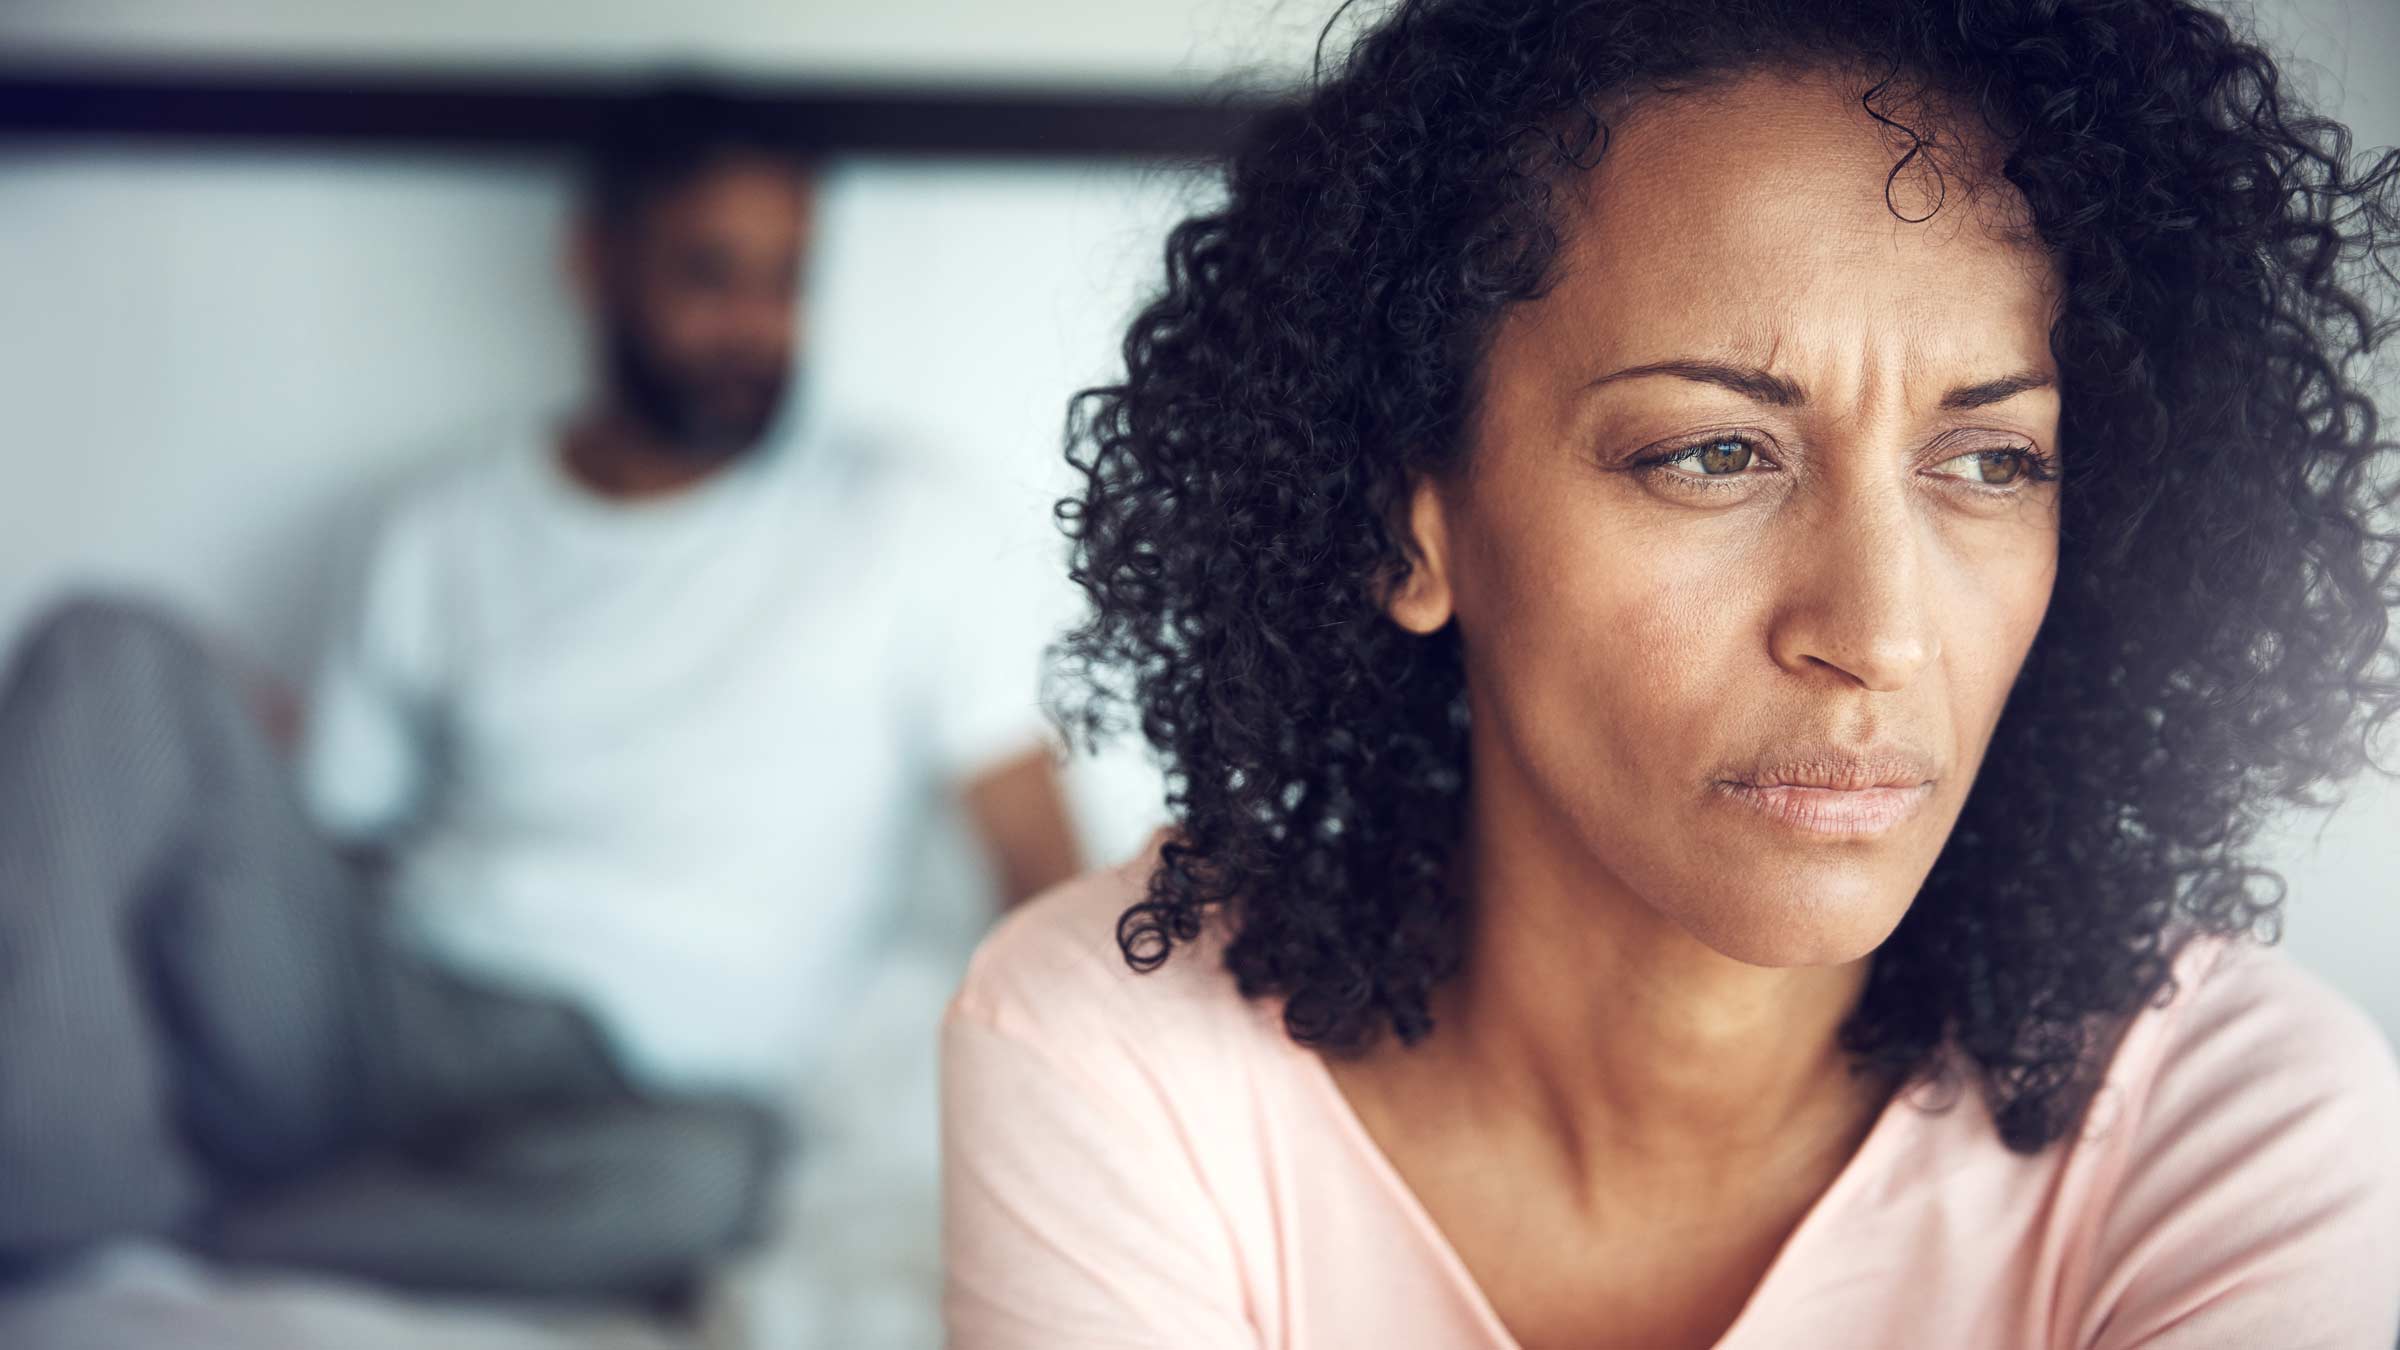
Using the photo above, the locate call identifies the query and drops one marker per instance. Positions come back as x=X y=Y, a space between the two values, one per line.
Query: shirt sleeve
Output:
x=1074 y=1217
x=992 y=597
x=2261 y=1200
x=367 y=742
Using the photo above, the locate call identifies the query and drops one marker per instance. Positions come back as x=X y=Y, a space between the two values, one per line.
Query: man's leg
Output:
x=95 y=805
x=194 y=994
x=629 y=1201
x=197 y=1001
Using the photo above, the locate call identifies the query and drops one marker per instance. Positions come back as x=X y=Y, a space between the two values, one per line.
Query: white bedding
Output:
x=137 y=1296
x=853 y=1260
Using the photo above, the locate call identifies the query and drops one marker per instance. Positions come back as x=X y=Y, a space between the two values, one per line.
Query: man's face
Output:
x=697 y=299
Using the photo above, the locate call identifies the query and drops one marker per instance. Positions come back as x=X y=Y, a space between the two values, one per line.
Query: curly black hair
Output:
x=2216 y=642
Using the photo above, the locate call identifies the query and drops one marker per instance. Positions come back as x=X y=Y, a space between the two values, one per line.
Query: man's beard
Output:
x=688 y=416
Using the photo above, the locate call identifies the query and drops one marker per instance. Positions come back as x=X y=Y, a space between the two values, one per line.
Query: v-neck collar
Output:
x=1883 y=1137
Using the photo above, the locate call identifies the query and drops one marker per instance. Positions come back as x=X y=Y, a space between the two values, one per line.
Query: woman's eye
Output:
x=1993 y=468
x=1714 y=459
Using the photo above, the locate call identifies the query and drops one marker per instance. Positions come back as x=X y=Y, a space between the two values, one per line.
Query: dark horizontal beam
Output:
x=549 y=110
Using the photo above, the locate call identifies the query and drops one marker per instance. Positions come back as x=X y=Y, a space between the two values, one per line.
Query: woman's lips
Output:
x=1839 y=812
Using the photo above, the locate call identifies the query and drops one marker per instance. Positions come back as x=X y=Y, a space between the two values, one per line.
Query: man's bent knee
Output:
x=91 y=631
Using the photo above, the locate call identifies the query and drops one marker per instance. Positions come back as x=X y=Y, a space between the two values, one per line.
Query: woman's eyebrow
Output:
x=1762 y=386
x=1749 y=381
x=1997 y=391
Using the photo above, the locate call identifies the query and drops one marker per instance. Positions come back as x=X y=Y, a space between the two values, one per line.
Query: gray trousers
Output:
x=207 y=1036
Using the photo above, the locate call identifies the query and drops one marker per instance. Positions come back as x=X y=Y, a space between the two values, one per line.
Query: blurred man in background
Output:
x=638 y=720
x=651 y=703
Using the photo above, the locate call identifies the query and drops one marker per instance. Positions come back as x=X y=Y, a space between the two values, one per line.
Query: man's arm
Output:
x=1019 y=808
x=364 y=752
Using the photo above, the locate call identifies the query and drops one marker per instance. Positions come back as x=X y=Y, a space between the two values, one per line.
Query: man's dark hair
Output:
x=653 y=144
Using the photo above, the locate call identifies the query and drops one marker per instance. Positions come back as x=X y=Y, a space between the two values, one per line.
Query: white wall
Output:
x=212 y=361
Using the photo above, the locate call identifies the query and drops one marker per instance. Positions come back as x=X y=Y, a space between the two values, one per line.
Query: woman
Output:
x=1722 y=585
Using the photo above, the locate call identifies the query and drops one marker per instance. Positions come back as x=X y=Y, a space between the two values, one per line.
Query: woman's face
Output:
x=1759 y=491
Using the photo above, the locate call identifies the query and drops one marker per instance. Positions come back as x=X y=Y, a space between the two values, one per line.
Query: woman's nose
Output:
x=1856 y=599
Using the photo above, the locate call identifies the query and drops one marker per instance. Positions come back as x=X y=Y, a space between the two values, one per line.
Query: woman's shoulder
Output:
x=1104 y=1168
x=2245 y=1064
x=2249 y=1024
x=2252 y=1177
x=1052 y=971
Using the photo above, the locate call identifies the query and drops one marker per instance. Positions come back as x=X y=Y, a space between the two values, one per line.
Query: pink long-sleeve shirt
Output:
x=1147 y=1160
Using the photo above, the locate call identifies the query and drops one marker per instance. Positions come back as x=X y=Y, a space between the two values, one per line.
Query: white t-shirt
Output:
x=668 y=757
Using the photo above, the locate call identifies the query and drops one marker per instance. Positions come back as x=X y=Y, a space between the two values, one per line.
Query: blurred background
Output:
x=265 y=264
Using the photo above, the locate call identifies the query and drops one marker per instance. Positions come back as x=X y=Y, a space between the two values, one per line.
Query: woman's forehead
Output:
x=1761 y=214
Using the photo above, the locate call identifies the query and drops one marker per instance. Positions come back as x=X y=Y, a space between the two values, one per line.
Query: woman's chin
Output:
x=1828 y=924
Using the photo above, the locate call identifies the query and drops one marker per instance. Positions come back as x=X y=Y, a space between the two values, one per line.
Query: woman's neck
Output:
x=1616 y=1030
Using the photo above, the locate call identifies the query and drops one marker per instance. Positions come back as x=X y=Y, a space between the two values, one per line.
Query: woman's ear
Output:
x=1420 y=600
